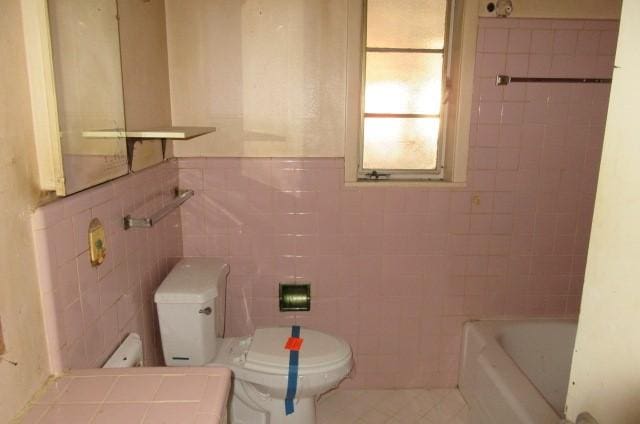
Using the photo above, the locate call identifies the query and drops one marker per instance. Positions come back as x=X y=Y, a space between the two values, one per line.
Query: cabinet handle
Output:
x=206 y=311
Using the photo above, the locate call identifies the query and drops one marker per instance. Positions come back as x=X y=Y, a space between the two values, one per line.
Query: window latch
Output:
x=375 y=175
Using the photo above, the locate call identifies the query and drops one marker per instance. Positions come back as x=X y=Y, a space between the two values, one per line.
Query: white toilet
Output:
x=191 y=315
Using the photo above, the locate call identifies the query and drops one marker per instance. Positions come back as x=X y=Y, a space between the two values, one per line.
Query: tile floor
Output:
x=437 y=406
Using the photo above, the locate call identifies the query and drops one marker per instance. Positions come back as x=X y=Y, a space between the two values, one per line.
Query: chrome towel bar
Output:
x=181 y=197
x=506 y=80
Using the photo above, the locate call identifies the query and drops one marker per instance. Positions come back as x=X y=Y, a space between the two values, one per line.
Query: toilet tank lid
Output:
x=192 y=280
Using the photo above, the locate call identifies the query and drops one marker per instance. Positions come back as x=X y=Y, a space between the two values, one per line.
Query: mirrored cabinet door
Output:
x=88 y=84
x=99 y=85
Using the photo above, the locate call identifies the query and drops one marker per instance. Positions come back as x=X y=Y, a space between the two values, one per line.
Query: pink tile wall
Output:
x=87 y=310
x=394 y=271
x=397 y=271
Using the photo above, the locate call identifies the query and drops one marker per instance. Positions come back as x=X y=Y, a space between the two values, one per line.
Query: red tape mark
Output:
x=294 y=343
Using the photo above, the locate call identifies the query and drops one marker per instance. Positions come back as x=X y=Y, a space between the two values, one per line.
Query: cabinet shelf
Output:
x=162 y=134
x=111 y=133
x=167 y=133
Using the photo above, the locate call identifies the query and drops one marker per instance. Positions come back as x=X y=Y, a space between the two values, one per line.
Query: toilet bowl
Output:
x=191 y=316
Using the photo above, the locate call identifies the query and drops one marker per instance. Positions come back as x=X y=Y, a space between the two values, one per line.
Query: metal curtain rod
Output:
x=181 y=197
x=506 y=80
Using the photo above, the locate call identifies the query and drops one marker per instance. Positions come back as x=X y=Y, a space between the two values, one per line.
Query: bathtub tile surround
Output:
x=395 y=271
x=87 y=310
x=435 y=406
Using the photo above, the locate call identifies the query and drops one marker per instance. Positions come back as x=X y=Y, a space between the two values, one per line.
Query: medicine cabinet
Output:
x=99 y=89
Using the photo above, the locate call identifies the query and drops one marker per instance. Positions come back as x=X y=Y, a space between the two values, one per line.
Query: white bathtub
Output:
x=516 y=372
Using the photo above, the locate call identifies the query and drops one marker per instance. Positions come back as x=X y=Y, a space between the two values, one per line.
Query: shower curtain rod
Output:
x=506 y=80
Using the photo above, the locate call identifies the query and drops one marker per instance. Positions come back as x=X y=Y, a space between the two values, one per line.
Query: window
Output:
x=409 y=90
x=404 y=74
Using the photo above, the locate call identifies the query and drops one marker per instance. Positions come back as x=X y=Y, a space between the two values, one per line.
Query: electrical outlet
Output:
x=2 y=347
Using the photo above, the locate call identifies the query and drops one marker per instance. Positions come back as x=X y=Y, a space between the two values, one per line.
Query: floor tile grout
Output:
x=437 y=406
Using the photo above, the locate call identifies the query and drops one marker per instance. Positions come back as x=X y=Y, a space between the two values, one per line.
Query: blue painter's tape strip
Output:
x=292 y=383
x=295 y=331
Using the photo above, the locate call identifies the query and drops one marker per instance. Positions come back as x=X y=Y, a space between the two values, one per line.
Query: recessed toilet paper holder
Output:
x=295 y=297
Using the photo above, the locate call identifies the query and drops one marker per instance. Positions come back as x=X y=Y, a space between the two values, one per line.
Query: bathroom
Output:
x=396 y=267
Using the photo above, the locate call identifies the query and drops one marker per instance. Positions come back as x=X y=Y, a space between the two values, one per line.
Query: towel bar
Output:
x=506 y=80
x=181 y=197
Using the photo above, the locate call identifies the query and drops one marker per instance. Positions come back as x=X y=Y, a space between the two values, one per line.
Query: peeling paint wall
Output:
x=19 y=297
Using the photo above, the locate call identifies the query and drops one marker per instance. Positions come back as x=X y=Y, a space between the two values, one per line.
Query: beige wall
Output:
x=145 y=73
x=605 y=375
x=272 y=75
x=19 y=297
x=269 y=74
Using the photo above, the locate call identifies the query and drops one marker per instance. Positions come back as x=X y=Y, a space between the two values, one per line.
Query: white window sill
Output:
x=400 y=183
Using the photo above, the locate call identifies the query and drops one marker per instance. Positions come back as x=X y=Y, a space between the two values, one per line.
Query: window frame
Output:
x=457 y=116
x=406 y=174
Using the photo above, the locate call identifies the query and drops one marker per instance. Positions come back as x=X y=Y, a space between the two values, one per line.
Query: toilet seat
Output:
x=319 y=353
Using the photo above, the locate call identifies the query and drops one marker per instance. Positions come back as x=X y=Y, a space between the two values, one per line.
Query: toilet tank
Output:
x=190 y=304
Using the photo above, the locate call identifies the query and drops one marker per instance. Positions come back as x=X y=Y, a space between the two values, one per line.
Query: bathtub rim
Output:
x=527 y=400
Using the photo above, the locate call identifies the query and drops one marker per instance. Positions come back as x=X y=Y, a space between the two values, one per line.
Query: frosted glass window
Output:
x=405 y=51
x=403 y=83
x=401 y=143
x=418 y=24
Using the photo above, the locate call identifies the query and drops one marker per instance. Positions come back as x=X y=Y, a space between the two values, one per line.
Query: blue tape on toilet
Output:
x=292 y=383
